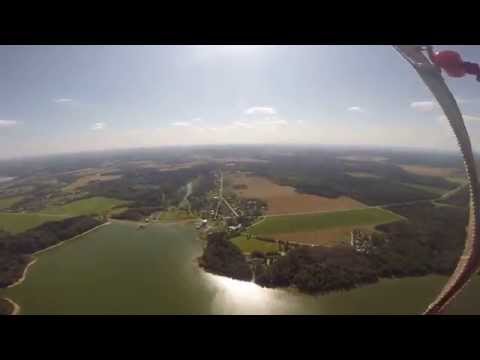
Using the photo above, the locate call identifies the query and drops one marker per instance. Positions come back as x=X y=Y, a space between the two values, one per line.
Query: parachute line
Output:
x=470 y=259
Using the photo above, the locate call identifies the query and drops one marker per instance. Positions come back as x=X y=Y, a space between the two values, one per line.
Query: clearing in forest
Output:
x=85 y=180
x=285 y=199
x=93 y=205
x=19 y=222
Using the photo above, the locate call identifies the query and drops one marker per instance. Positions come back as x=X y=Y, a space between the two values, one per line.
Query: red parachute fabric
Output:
x=454 y=66
x=451 y=62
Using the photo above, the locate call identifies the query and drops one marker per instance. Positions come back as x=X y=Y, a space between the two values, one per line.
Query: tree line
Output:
x=16 y=250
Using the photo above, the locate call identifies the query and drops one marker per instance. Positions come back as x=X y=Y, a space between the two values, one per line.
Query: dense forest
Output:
x=329 y=176
x=16 y=250
x=430 y=242
x=222 y=257
x=318 y=269
x=148 y=187
x=136 y=214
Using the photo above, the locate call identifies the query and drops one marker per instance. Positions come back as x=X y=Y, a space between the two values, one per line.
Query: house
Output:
x=235 y=227
x=202 y=223
x=361 y=241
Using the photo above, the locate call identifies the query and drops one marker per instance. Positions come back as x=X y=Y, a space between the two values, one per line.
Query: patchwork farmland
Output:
x=285 y=199
x=327 y=229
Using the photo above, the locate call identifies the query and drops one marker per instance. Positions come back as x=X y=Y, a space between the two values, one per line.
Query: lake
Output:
x=121 y=270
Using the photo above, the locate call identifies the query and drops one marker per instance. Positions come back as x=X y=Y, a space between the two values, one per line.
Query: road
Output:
x=222 y=199
x=230 y=207
x=220 y=194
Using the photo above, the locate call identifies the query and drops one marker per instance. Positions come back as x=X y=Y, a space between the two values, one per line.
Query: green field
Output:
x=9 y=201
x=118 y=210
x=252 y=244
x=93 y=205
x=457 y=180
x=18 y=222
x=430 y=189
x=311 y=222
x=360 y=174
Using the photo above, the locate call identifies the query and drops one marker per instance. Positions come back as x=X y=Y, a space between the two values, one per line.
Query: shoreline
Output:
x=16 y=307
x=24 y=274
x=158 y=222
x=34 y=260
x=72 y=238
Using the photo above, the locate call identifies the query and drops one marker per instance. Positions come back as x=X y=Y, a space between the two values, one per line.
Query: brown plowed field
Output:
x=431 y=171
x=284 y=199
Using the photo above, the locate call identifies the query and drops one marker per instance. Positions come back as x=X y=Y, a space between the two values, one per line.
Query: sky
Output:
x=56 y=99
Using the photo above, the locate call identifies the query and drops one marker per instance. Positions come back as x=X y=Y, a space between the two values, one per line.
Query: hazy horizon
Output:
x=335 y=147
x=73 y=99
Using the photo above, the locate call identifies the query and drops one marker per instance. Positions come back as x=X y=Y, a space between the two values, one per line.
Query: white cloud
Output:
x=98 y=126
x=196 y=120
x=181 y=123
x=273 y=122
x=242 y=124
x=260 y=110
x=62 y=100
x=8 y=123
x=423 y=106
x=356 y=109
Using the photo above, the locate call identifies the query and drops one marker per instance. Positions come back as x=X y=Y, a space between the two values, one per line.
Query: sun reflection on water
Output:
x=243 y=297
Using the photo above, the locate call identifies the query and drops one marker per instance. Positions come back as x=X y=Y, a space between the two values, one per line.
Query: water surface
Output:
x=121 y=270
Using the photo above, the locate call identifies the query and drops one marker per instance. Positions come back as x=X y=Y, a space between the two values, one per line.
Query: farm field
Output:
x=119 y=210
x=150 y=164
x=285 y=199
x=430 y=189
x=431 y=171
x=314 y=222
x=457 y=179
x=9 y=201
x=89 y=171
x=85 y=180
x=18 y=222
x=326 y=237
x=359 y=174
x=93 y=205
x=252 y=244
x=363 y=158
